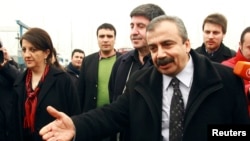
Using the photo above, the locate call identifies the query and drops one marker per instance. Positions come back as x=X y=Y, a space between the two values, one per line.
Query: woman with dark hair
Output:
x=40 y=85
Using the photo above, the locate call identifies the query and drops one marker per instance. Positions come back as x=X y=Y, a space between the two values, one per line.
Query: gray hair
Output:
x=178 y=22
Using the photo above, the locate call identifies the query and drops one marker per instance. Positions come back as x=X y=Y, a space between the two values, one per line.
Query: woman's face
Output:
x=33 y=57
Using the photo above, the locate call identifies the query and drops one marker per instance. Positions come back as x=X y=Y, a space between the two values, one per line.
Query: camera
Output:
x=1 y=54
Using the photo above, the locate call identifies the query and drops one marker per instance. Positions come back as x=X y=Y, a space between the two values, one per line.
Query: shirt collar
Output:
x=135 y=57
x=102 y=57
x=185 y=76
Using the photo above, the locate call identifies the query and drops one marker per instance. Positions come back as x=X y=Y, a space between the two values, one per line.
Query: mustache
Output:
x=136 y=38
x=164 y=61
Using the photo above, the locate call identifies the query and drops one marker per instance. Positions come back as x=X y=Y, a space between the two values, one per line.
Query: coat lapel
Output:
x=203 y=84
x=48 y=83
x=149 y=88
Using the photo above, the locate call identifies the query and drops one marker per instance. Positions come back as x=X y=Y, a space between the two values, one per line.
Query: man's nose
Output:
x=134 y=30
x=211 y=35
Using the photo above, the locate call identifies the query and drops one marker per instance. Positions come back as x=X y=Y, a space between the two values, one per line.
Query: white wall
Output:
x=72 y=23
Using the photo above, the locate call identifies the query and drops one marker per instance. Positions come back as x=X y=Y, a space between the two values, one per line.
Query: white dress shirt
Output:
x=186 y=78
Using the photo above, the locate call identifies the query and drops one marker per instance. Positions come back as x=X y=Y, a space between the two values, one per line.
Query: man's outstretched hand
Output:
x=61 y=129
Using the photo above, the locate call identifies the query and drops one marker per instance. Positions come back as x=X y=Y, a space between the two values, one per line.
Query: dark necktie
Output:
x=176 y=113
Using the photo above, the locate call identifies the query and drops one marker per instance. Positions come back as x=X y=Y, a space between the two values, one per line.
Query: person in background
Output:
x=7 y=130
x=243 y=54
x=214 y=30
x=138 y=58
x=55 y=61
x=143 y=111
x=96 y=69
x=74 y=66
x=40 y=85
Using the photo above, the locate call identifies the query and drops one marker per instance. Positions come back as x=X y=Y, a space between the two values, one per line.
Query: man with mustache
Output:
x=143 y=111
x=164 y=61
x=214 y=29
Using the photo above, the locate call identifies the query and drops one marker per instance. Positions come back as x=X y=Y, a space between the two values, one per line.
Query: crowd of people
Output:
x=113 y=96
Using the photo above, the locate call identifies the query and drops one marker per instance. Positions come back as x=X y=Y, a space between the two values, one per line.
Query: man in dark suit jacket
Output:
x=212 y=95
x=95 y=72
x=136 y=59
x=214 y=30
x=92 y=82
x=73 y=68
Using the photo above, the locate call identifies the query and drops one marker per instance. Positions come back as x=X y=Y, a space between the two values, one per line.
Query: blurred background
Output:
x=72 y=23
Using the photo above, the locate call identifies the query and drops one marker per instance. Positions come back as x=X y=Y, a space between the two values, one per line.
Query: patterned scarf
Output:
x=31 y=100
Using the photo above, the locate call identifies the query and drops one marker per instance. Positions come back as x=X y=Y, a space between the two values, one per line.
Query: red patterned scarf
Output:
x=31 y=100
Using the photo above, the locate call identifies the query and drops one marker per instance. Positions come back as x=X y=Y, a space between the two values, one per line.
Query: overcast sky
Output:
x=72 y=23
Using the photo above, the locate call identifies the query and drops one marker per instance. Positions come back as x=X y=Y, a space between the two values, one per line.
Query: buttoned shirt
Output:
x=186 y=78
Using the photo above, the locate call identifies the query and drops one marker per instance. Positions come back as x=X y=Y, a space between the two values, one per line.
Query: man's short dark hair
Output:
x=244 y=32
x=216 y=18
x=106 y=26
x=77 y=50
x=148 y=11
